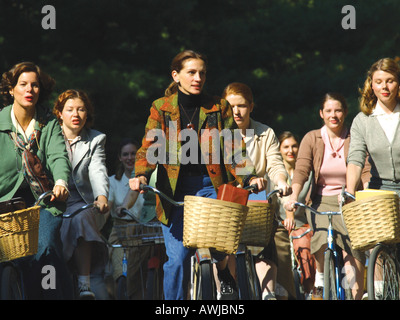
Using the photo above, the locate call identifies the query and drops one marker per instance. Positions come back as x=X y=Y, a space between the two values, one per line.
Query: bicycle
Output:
x=202 y=283
x=135 y=235
x=334 y=287
x=383 y=270
x=248 y=281
x=383 y=274
x=12 y=284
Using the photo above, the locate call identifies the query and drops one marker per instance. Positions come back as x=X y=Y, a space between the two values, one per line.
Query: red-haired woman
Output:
x=89 y=183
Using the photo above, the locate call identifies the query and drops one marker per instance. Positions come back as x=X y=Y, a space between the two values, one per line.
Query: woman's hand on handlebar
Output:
x=135 y=183
x=290 y=205
x=120 y=211
x=261 y=183
x=60 y=193
x=286 y=189
x=102 y=204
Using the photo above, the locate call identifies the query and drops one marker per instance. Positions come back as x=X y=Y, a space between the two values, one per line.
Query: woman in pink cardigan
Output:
x=324 y=152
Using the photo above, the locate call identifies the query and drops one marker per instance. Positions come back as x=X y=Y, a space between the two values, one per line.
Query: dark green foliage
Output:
x=290 y=52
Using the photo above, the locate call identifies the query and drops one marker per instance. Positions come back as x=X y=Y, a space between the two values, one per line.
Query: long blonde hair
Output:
x=368 y=99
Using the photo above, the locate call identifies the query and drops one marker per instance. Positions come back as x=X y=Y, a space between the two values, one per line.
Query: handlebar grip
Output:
x=252 y=187
x=144 y=187
x=43 y=196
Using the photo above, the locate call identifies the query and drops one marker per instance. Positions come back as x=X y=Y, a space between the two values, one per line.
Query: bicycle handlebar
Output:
x=146 y=187
x=43 y=196
x=327 y=213
x=87 y=206
x=301 y=235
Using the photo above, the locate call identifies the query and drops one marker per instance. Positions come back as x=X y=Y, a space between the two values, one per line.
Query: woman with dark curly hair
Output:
x=30 y=134
x=82 y=244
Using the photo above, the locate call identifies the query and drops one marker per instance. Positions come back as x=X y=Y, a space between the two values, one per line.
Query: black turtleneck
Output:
x=189 y=103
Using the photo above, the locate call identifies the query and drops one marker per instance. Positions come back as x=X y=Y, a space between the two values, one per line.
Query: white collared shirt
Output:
x=25 y=134
x=387 y=121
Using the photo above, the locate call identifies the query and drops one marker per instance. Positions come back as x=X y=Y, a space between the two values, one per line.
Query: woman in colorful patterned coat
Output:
x=187 y=167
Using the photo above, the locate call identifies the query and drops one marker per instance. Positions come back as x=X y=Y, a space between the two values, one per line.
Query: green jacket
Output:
x=51 y=152
x=165 y=118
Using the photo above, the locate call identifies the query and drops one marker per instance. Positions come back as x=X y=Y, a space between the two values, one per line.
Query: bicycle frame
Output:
x=338 y=273
x=331 y=247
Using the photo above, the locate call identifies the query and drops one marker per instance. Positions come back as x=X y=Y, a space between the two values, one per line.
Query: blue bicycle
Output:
x=335 y=286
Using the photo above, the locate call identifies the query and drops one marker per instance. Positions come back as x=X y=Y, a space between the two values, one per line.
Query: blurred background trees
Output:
x=290 y=52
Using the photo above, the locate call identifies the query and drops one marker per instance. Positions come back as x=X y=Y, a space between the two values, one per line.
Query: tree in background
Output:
x=290 y=52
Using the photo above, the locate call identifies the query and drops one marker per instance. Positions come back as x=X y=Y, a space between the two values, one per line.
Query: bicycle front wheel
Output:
x=383 y=274
x=202 y=281
x=330 y=290
x=297 y=285
x=249 y=287
x=122 y=288
x=11 y=284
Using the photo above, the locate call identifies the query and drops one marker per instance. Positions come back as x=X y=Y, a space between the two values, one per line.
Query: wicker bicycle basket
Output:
x=213 y=223
x=139 y=234
x=372 y=220
x=19 y=233
x=258 y=225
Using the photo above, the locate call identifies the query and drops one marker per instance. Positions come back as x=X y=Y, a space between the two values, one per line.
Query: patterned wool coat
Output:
x=164 y=124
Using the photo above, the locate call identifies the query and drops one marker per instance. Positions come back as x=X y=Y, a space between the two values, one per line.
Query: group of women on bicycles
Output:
x=59 y=151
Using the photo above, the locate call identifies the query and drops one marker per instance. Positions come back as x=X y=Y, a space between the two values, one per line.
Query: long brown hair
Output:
x=177 y=65
x=368 y=99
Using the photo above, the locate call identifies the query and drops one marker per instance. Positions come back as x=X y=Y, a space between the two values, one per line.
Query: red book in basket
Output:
x=230 y=193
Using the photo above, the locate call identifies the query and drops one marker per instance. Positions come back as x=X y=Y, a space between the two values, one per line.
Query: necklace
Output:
x=190 y=125
x=336 y=149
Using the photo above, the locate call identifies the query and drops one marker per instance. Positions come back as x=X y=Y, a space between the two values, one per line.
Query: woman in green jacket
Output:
x=28 y=131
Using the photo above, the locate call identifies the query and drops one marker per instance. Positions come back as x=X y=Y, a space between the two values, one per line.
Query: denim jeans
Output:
x=177 y=268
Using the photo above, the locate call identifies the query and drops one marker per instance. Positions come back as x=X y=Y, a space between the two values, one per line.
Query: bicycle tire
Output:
x=11 y=284
x=154 y=288
x=122 y=288
x=243 y=277
x=203 y=282
x=382 y=258
x=297 y=285
x=330 y=290
x=207 y=281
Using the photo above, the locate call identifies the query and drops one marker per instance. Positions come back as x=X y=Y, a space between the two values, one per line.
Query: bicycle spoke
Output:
x=383 y=280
